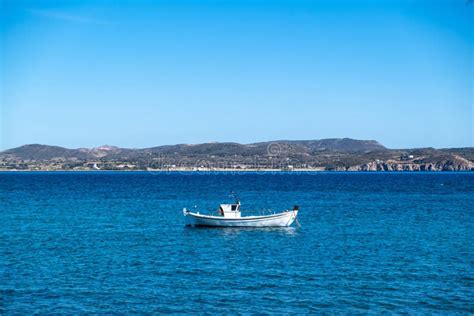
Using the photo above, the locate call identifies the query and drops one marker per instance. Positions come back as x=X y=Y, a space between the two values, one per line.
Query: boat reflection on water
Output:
x=236 y=231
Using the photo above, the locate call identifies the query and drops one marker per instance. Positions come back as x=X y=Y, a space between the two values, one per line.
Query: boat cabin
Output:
x=230 y=210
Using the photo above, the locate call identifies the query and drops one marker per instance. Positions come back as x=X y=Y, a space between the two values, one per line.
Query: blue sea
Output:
x=116 y=243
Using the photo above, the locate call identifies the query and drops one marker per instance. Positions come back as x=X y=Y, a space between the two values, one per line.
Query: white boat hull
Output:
x=283 y=219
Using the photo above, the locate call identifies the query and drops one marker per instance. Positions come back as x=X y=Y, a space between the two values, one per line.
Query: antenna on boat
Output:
x=237 y=199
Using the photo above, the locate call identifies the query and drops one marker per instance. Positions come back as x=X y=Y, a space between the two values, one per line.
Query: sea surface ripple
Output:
x=111 y=242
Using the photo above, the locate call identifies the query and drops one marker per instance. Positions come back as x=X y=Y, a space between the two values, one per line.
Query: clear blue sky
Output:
x=146 y=73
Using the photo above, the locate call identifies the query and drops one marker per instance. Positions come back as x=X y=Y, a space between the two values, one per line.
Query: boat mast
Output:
x=237 y=199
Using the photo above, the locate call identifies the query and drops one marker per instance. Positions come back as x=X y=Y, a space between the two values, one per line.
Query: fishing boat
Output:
x=229 y=215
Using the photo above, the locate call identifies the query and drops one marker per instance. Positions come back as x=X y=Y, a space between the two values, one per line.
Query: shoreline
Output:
x=241 y=171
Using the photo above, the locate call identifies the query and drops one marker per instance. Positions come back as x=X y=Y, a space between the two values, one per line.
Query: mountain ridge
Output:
x=40 y=151
x=341 y=154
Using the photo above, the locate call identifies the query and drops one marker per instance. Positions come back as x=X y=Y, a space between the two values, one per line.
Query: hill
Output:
x=341 y=154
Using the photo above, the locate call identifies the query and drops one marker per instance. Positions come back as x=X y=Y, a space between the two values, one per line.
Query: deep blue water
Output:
x=116 y=243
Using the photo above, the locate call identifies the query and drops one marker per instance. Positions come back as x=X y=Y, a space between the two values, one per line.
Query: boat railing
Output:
x=213 y=212
x=266 y=212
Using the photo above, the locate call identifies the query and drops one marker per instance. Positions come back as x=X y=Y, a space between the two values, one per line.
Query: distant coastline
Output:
x=229 y=171
x=335 y=154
